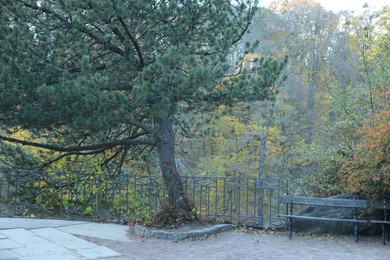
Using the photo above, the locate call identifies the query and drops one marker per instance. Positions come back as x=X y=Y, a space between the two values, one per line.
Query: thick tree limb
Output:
x=101 y=146
x=131 y=37
x=143 y=126
x=133 y=41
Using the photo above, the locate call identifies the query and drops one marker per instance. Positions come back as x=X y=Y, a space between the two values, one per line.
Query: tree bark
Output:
x=177 y=198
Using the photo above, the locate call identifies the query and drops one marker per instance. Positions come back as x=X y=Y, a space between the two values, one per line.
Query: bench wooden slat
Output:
x=380 y=221
x=328 y=202
x=327 y=219
x=382 y=204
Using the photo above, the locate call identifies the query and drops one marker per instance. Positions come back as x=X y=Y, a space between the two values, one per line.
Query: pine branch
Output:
x=74 y=149
x=76 y=26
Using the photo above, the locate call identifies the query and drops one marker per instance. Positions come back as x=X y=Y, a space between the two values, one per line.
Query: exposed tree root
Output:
x=169 y=217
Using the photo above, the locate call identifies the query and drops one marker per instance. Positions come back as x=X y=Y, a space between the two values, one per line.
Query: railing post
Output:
x=260 y=211
x=291 y=220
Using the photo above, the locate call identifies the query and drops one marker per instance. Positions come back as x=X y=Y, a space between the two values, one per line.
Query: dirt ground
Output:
x=254 y=244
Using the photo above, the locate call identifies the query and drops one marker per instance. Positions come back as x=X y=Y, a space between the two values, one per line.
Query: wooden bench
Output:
x=385 y=206
x=356 y=204
x=327 y=202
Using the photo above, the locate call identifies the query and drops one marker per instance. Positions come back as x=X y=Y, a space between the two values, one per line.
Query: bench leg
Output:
x=383 y=242
x=385 y=228
x=356 y=233
x=291 y=220
x=356 y=227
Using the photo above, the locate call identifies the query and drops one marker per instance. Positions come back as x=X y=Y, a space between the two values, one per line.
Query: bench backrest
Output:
x=327 y=202
x=382 y=204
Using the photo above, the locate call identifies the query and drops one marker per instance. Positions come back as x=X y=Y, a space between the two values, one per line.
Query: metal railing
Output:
x=124 y=197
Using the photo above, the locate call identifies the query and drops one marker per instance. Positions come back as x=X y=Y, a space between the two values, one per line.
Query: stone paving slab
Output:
x=33 y=245
x=100 y=230
x=8 y=254
x=29 y=223
x=98 y=252
x=68 y=256
x=65 y=239
x=8 y=244
x=51 y=243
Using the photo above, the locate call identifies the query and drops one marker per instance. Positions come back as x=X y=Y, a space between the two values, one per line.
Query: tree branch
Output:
x=68 y=154
x=131 y=37
x=133 y=41
x=343 y=107
x=76 y=26
x=74 y=149
x=143 y=126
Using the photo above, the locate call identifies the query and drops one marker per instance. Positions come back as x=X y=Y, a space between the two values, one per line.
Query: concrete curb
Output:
x=180 y=235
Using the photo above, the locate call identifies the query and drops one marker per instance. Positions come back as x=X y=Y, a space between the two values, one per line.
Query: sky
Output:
x=351 y=5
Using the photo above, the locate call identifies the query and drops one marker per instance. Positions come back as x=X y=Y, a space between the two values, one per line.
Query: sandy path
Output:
x=252 y=245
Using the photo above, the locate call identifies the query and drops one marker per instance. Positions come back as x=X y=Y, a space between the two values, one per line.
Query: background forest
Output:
x=327 y=126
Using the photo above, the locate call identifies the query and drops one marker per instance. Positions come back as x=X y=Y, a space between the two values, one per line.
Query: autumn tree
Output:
x=368 y=171
x=95 y=77
x=335 y=62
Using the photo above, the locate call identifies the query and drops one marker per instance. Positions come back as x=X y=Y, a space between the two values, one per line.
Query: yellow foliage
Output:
x=39 y=184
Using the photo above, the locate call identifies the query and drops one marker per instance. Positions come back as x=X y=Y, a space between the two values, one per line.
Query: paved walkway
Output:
x=30 y=239
x=38 y=239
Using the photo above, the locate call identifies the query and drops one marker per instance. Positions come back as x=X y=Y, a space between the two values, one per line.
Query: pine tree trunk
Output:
x=177 y=198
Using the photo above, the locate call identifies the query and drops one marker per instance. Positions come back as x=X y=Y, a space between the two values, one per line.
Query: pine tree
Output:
x=93 y=76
